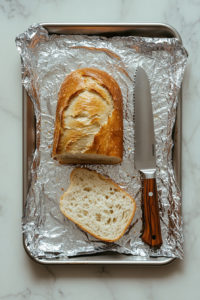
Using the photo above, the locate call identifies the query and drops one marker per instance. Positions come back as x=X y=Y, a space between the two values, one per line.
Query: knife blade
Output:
x=145 y=158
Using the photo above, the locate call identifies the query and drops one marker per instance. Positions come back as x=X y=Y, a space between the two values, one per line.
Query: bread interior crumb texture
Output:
x=97 y=205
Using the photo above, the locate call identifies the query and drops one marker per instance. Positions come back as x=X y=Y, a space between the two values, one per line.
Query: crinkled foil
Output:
x=46 y=61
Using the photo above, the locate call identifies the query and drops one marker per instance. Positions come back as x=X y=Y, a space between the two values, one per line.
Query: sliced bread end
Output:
x=97 y=205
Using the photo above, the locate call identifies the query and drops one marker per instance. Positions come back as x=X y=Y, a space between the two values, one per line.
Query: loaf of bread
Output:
x=89 y=119
x=97 y=205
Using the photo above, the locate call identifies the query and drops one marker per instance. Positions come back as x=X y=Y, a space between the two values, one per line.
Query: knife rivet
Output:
x=150 y=194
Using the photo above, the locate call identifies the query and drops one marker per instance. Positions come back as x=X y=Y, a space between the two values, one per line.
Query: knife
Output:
x=145 y=158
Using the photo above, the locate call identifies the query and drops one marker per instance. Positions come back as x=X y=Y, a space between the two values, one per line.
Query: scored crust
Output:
x=108 y=141
x=86 y=229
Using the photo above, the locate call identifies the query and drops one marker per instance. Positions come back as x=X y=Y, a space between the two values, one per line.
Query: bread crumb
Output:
x=49 y=146
x=98 y=205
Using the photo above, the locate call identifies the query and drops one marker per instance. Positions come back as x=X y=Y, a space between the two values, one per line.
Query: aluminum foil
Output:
x=46 y=61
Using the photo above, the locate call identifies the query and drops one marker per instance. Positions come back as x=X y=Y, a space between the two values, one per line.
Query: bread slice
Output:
x=97 y=205
x=89 y=119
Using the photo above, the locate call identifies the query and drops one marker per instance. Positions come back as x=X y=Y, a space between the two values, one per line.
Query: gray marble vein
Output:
x=9 y=112
x=12 y=8
x=21 y=278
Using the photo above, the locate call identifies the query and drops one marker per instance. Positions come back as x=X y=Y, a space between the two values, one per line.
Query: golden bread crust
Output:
x=94 y=91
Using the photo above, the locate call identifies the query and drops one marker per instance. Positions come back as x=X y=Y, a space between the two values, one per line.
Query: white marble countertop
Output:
x=20 y=277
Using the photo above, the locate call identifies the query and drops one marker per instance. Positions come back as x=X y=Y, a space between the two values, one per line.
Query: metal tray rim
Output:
x=165 y=25
x=155 y=261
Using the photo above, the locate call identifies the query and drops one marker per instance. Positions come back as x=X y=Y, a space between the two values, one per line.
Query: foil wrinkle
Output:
x=46 y=60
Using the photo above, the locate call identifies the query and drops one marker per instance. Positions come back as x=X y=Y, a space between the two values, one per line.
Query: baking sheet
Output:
x=123 y=186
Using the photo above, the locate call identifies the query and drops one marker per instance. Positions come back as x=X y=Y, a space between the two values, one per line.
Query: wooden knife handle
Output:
x=152 y=232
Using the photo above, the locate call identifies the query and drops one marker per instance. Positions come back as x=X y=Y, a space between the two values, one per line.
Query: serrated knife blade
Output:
x=145 y=157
